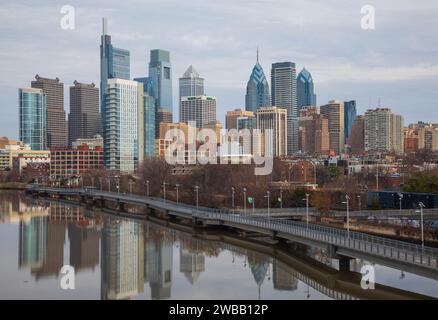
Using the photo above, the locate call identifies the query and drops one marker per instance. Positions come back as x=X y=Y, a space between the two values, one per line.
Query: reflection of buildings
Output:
x=84 y=247
x=14 y=210
x=192 y=263
x=283 y=280
x=32 y=242
x=259 y=269
x=122 y=259
x=159 y=259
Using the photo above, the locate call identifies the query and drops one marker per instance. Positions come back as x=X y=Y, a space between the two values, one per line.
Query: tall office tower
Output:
x=349 y=118
x=275 y=119
x=161 y=116
x=357 y=137
x=191 y=84
x=305 y=90
x=160 y=74
x=428 y=138
x=56 y=124
x=33 y=130
x=122 y=260
x=257 y=89
x=123 y=130
x=284 y=95
x=201 y=109
x=334 y=112
x=314 y=134
x=84 y=120
x=232 y=118
x=149 y=116
x=114 y=63
x=383 y=131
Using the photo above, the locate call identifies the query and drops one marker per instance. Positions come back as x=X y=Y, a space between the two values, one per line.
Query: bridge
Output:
x=340 y=244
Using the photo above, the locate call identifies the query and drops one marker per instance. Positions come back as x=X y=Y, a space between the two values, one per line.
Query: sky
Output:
x=396 y=63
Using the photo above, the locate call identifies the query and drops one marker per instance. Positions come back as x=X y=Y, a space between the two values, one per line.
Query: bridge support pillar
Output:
x=344 y=263
x=121 y=206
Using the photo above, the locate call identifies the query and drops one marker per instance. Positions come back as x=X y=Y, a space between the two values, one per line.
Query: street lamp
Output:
x=177 y=195
x=244 y=201
x=118 y=184
x=347 y=197
x=307 y=209
x=164 y=194
x=400 y=197
x=233 y=190
x=281 y=198
x=421 y=204
x=268 y=195
x=197 y=198
x=147 y=187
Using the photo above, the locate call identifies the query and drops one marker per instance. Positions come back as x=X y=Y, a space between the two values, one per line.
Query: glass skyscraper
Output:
x=160 y=73
x=305 y=90
x=284 y=95
x=191 y=84
x=33 y=130
x=121 y=129
x=350 y=114
x=257 y=89
x=114 y=63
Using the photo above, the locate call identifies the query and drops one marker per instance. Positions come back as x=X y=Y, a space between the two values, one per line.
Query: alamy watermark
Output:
x=368 y=21
x=68 y=278
x=368 y=277
x=68 y=19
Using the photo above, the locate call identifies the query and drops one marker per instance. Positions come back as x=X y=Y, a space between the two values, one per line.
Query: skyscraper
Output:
x=191 y=84
x=233 y=117
x=305 y=90
x=114 y=63
x=350 y=117
x=334 y=112
x=357 y=137
x=56 y=124
x=383 y=131
x=275 y=119
x=84 y=120
x=32 y=112
x=123 y=129
x=149 y=116
x=201 y=109
x=284 y=95
x=257 y=89
x=314 y=134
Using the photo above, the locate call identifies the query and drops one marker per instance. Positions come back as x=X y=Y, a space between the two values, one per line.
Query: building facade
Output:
x=305 y=90
x=349 y=118
x=123 y=134
x=357 y=137
x=160 y=73
x=32 y=113
x=56 y=124
x=314 y=133
x=284 y=95
x=200 y=109
x=84 y=120
x=233 y=117
x=275 y=119
x=257 y=89
x=334 y=112
x=191 y=84
x=383 y=131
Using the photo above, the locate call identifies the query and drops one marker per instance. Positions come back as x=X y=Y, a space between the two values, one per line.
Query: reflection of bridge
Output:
x=341 y=244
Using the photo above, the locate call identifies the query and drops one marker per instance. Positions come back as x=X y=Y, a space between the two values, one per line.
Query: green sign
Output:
x=250 y=200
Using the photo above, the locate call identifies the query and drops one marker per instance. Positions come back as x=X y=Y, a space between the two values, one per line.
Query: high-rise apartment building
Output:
x=383 y=131
x=150 y=115
x=428 y=138
x=305 y=90
x=334 y=112
x=124 y=127
x=284 y=95
x=314 y=133
x=275 y=119
x=33 y=130
x=56 y=123
x=357 y=137
x=257 y=89
x=84 y=120
x=200 y=109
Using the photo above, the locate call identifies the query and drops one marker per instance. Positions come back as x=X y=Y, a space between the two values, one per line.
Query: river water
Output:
x=120 y=258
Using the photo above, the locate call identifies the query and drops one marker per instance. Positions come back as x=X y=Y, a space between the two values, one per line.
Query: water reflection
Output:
x=135 y=259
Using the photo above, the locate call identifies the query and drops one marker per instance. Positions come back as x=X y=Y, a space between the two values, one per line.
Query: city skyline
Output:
x=385 y=70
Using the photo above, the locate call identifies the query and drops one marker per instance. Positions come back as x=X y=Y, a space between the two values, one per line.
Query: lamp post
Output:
x=147 y=187
x=347 y=197
x=400 y=197
x=164 y=191
x=233 y=190
x=177 y=195
x=244 y=201
x=268 y=196
x=197 y=198
x=307 y=209
x=421 y=204
x=118 y=184
x=281 y=198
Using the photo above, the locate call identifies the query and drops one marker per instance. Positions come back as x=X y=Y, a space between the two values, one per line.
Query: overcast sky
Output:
x=397 y=62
